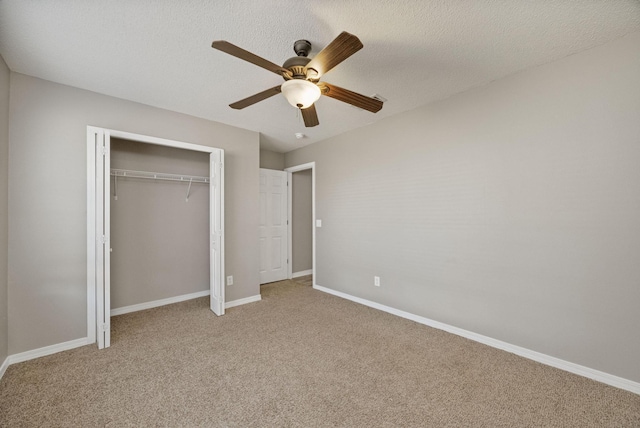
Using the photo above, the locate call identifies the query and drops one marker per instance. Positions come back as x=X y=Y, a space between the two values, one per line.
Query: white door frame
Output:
x=290 y=171
x=92 y=179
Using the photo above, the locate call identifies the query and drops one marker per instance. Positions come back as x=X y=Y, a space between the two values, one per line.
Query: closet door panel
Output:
x=216 y=232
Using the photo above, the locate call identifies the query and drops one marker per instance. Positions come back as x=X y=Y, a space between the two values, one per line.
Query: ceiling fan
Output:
x=302 y=86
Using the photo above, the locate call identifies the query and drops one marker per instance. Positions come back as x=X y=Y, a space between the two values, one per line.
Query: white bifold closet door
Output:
x=99 y=223
x=273 y=226
x=103 y=235
x=215 y=232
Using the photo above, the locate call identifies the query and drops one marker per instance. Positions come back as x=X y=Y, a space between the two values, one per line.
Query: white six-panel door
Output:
x=273 y=226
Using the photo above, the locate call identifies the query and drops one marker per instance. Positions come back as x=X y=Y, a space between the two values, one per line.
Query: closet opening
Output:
x=154 y=225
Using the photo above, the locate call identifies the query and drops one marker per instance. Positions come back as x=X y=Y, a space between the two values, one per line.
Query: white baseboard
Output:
x=244 y=301
x=47 y=350
x=170 y=300
x=156 y=303
x=590 y=373
x=302 y=273
x=3 y=367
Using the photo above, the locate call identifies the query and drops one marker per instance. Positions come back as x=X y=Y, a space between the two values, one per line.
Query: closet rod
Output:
x=158 y=176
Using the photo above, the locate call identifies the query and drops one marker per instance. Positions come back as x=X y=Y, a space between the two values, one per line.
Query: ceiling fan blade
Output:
x=341 y=48
x=234 y=50
x=361 y=101
x=255 y=98
x=310 y=116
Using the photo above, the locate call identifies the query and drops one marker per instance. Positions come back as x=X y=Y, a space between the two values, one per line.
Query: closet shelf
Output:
x=126 y=173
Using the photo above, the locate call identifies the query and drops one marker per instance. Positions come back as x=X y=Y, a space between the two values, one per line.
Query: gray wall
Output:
x=47 y=190
x=4 y=205
x=301 y=226
x=271 y=160
x=512 y=210
x=160 y=241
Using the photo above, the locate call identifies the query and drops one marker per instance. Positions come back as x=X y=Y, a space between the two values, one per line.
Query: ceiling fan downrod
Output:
x=302 y=47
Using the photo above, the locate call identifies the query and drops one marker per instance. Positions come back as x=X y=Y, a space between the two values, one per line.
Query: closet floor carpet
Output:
x=299 y=357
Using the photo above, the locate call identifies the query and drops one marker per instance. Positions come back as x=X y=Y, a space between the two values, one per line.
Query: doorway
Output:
x=99 y=225
x=302 y=225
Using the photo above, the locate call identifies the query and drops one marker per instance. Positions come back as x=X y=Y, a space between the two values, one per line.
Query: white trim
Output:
x=223 y=274
x=302 y=273
x=4 y=366
x=48 y=350
x=156 y=303
x=558 y=363
x=290 y=171
x=302 y=167
x=91 y=233
x=160 y=141
x=289 y=224
x=105 y=249
x=244 y=301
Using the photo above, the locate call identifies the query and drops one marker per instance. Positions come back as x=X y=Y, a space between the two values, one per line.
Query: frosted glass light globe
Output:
x=300 y=93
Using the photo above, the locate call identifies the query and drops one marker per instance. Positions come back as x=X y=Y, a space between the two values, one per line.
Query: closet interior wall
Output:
x=302 y=222
x=159 y=240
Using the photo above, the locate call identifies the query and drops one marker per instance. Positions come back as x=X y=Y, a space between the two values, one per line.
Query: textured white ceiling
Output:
x=158 y=52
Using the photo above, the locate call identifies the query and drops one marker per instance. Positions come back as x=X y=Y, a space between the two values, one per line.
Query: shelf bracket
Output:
x=189 y=189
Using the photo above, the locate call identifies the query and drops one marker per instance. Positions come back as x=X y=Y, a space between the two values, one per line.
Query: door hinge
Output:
x=104 y=327
x=104 y=151
x=103 y=239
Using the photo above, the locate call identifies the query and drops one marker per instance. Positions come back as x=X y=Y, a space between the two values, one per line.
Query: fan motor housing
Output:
x=296 y=65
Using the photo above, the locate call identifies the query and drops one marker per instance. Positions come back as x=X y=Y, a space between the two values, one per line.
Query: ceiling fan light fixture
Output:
x=300 y=93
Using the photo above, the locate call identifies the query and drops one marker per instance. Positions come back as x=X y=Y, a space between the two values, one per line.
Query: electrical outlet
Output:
x=230 y=280
x=376 y=281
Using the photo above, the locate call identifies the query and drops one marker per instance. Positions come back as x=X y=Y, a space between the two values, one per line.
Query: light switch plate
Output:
x=318 y=223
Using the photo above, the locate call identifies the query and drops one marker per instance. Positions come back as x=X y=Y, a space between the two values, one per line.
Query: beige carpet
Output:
x=298 y=358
